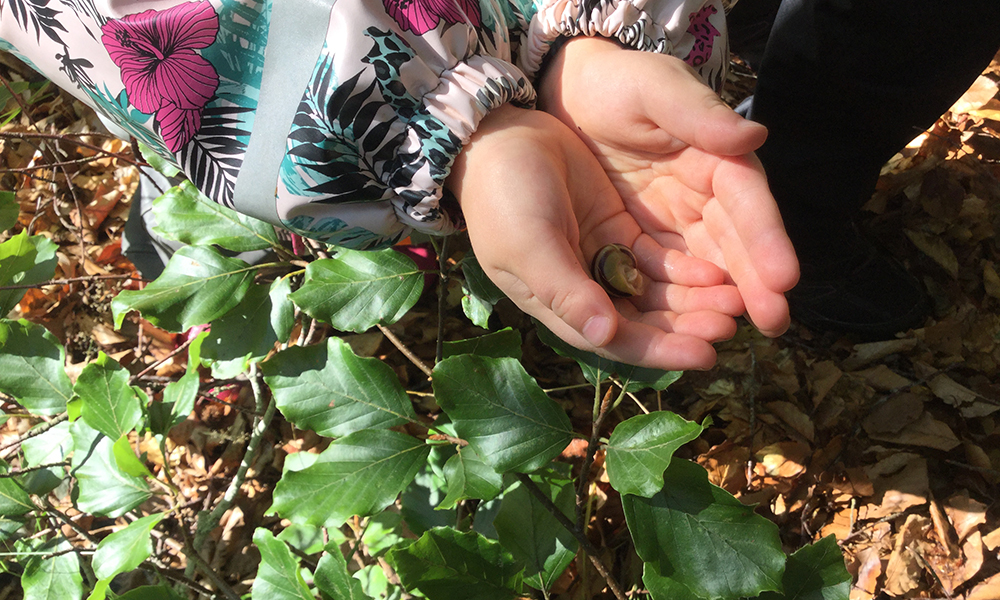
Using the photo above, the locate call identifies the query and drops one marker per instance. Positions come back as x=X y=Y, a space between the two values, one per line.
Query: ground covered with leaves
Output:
x=893 y=447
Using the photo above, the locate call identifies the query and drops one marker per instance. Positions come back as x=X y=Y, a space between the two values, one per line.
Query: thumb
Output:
x=683 y=107
x=549 y=283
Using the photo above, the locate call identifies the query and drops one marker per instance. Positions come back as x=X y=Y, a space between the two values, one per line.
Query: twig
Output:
x=196 y=560
x=37 y=431
x=206 y=523
x=442 y=289
x=581 y=489
x=67 y=137
x=588 y=548
x=406 y=351
x=153 y=366
x=67 y=281
x=30 y=469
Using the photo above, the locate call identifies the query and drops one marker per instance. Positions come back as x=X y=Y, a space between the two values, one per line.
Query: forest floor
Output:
x=893 y=447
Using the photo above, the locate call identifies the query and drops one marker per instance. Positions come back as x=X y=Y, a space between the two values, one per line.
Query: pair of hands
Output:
x=630 y=147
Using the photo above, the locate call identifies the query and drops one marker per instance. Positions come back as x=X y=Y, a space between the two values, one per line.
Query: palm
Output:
x=682 y=163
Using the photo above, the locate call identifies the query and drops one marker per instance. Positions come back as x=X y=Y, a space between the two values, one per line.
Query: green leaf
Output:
x=664 y=588
x=186 y=215
x=197 y=286
x=15 y=272
x=357 y=290
x=278 y=576
x=244 y=334
x=9 y=210
x=32 y=367
x=598 y=369
x=500 y=410
x=56 y=578
x=160 y=164
x=705 y=539
x=282 y=309
x=126 y=459
x=110 y=405
x=477 y=283
x=179 y=396
x=640 y=449
x=480 y=293
x=102 y=488
x=478 y=311
x=14 y=500
x=50 y=447
x=151 y=592
x=533 y=535
x=500 y=344
x=420 y=501
x=330 y=390
x=469 y=477
x=815 y=572
x=332 y=577
x=359 y=474
x=125 y=549
x=447 y=565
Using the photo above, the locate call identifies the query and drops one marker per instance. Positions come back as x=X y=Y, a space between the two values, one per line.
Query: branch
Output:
x=582 y=495
x=68 y=281
x=37 y=431
x=206 y=523
x=406 y=351
x=585 y=544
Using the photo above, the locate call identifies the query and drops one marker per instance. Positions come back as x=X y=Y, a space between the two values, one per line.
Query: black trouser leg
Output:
x=844 y=84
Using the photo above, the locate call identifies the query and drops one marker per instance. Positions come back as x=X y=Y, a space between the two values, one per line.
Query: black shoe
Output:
x=854 y=288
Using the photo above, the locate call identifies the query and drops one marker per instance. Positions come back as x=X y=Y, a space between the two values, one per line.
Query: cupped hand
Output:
x=538 y=207
x=681 y=161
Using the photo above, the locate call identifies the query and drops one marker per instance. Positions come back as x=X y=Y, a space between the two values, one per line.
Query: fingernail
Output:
x=597 y=330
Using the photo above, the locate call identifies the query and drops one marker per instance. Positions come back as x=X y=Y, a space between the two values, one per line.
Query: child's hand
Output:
x=682 y=162
x=539 y=206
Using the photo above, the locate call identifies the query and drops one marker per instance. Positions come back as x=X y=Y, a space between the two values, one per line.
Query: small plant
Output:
x=465 y=497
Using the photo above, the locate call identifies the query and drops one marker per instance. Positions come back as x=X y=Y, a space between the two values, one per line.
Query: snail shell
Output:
x=616 y=269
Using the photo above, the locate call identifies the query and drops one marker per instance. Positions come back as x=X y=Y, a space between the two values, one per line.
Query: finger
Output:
x=741 y=189
x=683 y=107
x=561 y=290
x=707 y=325
x=722 y=299
x=669 y=264
x=767 y=308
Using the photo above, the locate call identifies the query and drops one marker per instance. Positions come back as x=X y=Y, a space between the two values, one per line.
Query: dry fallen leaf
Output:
x=894 y=414
x=987 y=590
x=965 y=514
x=793 y=416
x=926 y=431
x=900 y=481
x=903 y=573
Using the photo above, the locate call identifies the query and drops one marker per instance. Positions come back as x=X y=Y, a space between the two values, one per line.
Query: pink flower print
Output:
x=704 y=36
x=421 y=16
x=161 y=68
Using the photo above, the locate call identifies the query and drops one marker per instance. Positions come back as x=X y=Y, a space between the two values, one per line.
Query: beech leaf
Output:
x=532 y=534
x=109 y=404
x=447 y=565
x=278 y=576
x=640 y=450
x=357 y=290
x=197 y=286
x=125 y=549
x=103 y=488
x=815 y=572
x=359 y=474
x=32 y=367
x=186 y=215
x=469 y=477
x=501 y=411
x=333 y=579
x=328 y=389
x=55 y=578
x=703 y=538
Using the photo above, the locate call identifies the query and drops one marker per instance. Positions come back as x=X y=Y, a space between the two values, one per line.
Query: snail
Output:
x=615 y=268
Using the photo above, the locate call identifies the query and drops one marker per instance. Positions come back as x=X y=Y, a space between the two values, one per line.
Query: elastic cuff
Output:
x=449 y=115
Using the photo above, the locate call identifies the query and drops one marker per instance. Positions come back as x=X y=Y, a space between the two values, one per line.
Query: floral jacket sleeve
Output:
x=338 y=119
